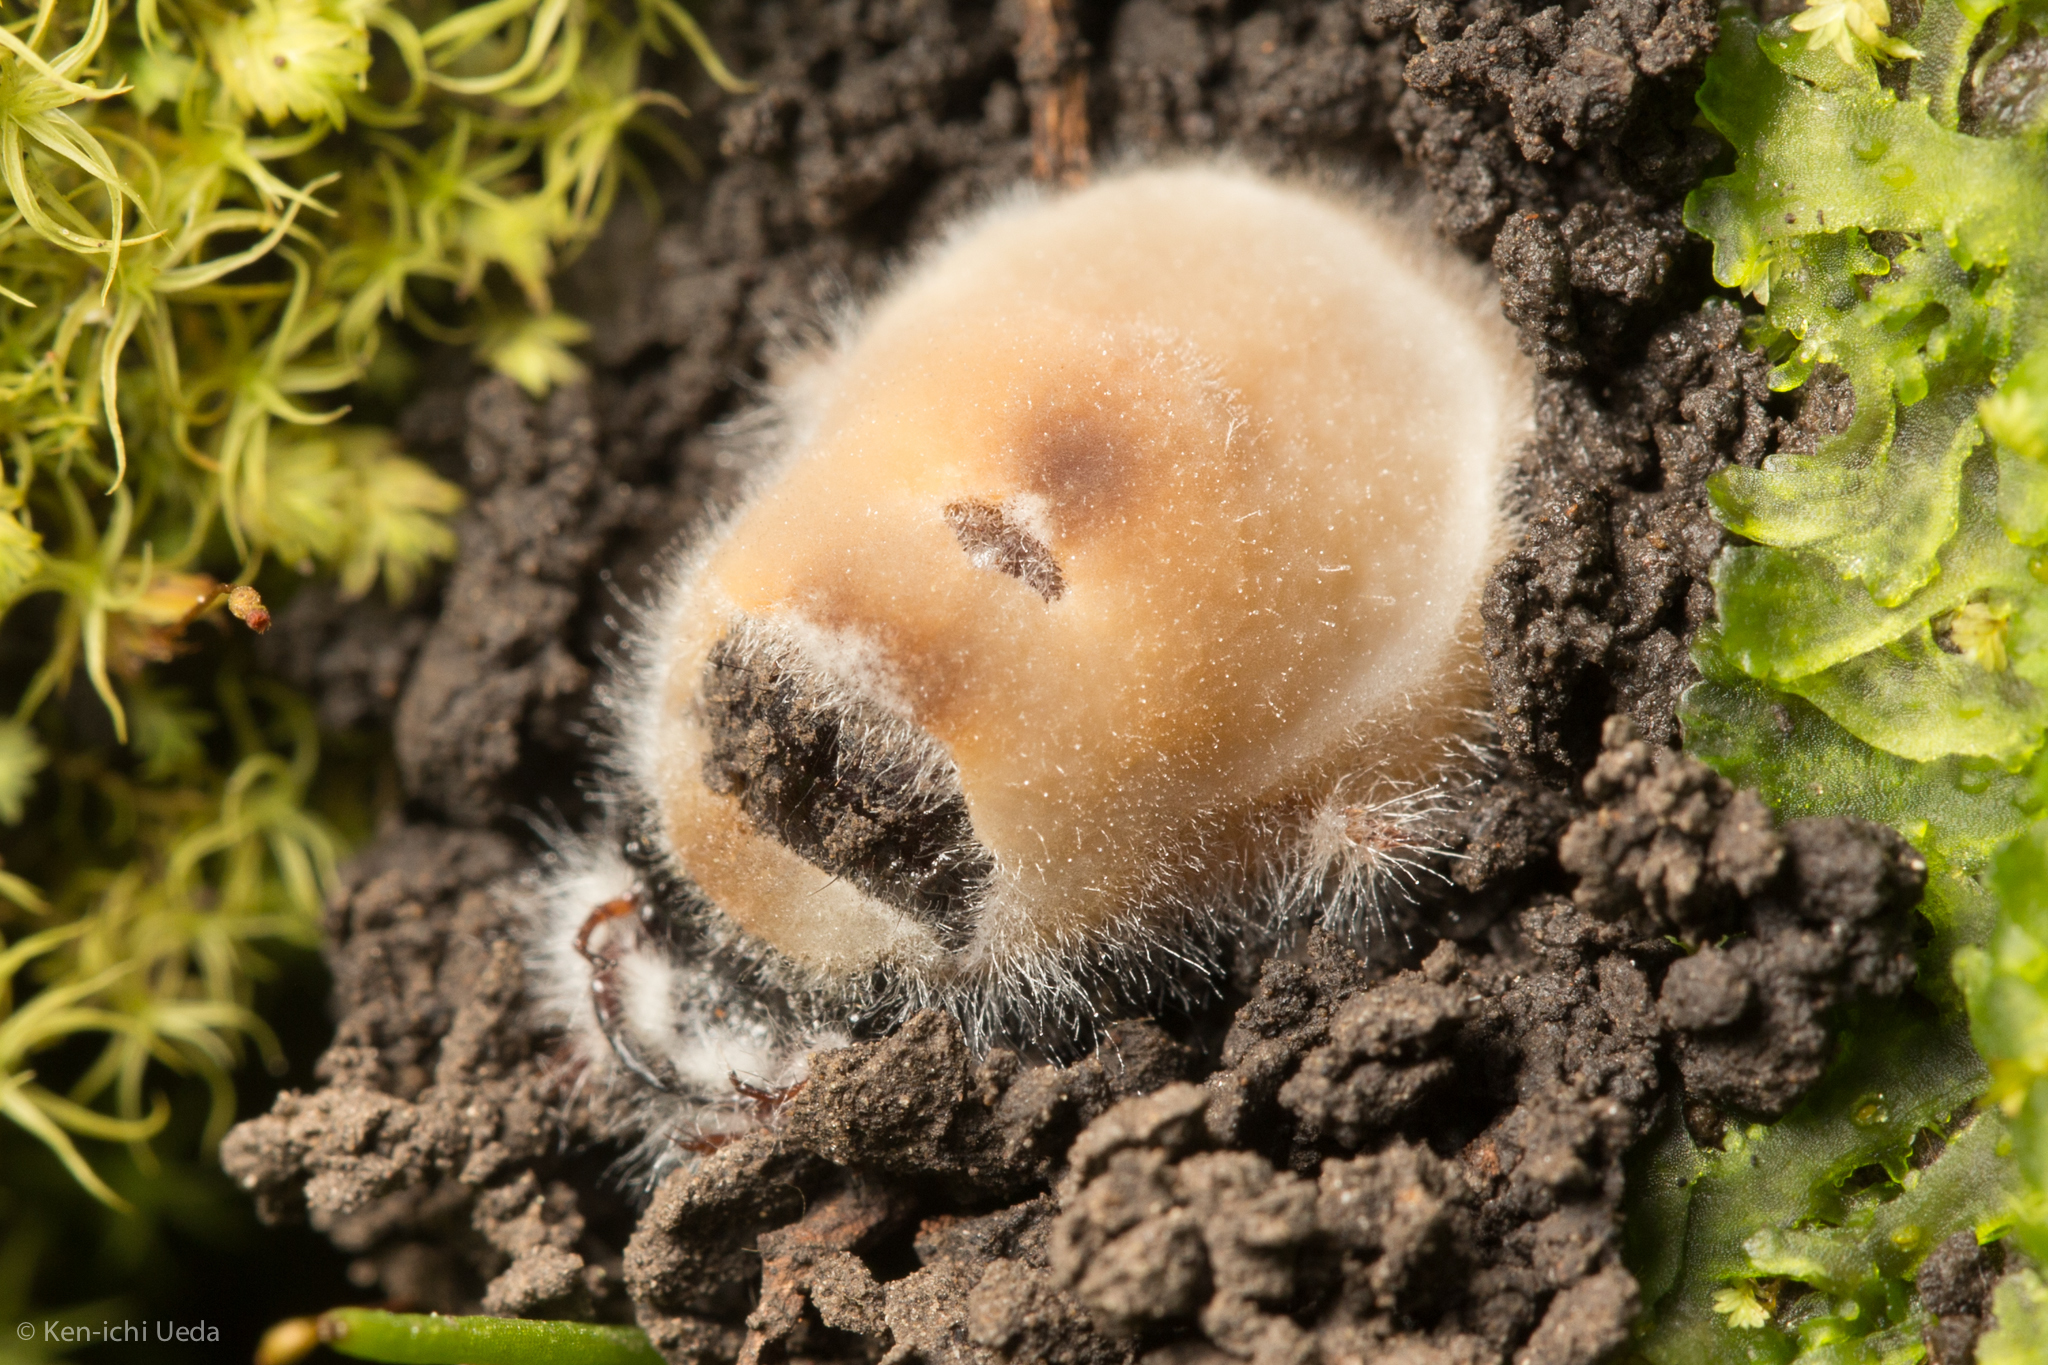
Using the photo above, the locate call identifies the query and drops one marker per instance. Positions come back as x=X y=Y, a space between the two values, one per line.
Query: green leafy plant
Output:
x=1882 y=650
x=222 y=227
x=2007 y=981
x=1795 y=1240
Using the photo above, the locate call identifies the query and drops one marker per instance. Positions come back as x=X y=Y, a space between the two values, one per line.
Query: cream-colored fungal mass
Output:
x=1139 y=520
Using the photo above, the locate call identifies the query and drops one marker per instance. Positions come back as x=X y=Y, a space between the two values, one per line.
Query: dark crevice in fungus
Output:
x=872 y=809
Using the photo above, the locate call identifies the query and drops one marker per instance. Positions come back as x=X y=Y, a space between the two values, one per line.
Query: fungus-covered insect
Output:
x=1117 y=577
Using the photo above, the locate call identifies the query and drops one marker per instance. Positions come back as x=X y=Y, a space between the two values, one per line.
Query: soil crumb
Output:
x=1426 y=1161
x=1415 y=1157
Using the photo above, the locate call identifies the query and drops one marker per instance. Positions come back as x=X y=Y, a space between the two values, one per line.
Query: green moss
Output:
x=215 y=220
x=1866 y=550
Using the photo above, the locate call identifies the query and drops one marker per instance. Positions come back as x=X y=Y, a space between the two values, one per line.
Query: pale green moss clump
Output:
x=219 y=223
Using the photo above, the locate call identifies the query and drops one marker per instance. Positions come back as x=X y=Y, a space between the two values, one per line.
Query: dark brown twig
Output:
x=1052 y=64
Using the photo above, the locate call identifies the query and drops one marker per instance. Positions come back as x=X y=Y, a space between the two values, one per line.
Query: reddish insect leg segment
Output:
x=615 y=932
x=764 y=1105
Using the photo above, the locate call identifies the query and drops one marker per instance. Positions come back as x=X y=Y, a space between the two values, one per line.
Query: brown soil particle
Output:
x=1426 y=1163
x=1955 y=1284
x=354 y=655
x=1342 y=1162
x=433 y=1150
x=1820 y=911
x=498 y=684
x=1591 y=614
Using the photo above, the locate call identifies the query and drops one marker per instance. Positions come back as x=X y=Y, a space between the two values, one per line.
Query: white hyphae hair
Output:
x=1111 y=595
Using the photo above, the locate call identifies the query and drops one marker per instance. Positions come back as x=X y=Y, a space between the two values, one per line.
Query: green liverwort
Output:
x=1882 y=651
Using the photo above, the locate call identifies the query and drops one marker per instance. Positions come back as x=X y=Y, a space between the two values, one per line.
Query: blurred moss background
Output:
x=229 y=237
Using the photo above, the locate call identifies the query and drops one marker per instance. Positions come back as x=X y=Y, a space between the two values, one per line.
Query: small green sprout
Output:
x=431 y=1339
x=1740 y=1304
x=21 y=758
x=535 y=350
x=1979 y=630
x=290 y=59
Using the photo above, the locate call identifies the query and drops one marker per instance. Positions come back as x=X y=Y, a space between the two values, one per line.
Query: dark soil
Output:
x=1420 y=1165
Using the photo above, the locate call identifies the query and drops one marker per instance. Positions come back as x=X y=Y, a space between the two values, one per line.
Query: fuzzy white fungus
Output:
x=1112 y=559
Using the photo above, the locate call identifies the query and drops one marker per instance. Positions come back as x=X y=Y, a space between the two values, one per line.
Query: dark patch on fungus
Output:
x=995 y=538
x=870 y=813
